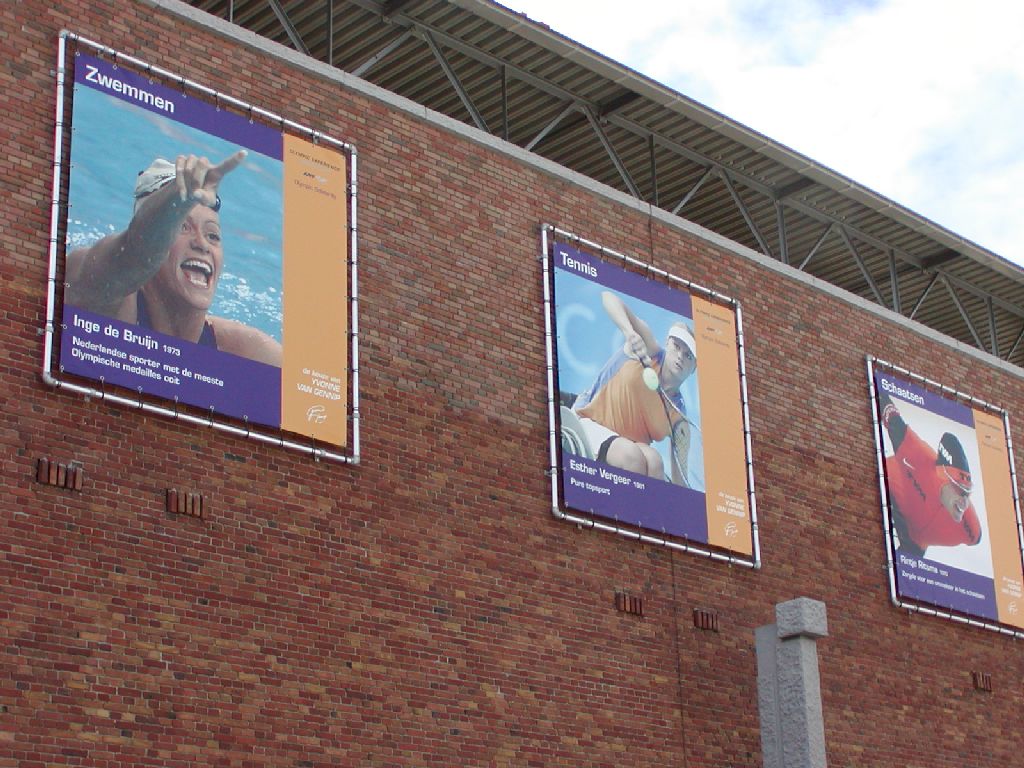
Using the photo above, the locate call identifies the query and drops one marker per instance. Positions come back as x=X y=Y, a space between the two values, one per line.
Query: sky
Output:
x=921 y=101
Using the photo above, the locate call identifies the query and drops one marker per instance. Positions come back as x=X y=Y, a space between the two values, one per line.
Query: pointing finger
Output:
x=220 y=170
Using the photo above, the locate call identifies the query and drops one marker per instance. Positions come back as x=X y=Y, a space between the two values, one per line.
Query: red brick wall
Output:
x=424 y=608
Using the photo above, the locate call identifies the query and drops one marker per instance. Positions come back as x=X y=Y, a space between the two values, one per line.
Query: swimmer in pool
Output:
x=161 y=272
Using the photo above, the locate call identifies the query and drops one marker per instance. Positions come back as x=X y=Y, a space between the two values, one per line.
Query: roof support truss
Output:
x=570 y=108
x=382 y=54
x=453 y=78
x=924 y=295
x=780 y=224
x=814 y=249
x=639 y=149
x=744 y=212
x=616 y=160
x=289 y=28
x=963 y=313
x=894 y=284
x=860 y=263
x=693 y=190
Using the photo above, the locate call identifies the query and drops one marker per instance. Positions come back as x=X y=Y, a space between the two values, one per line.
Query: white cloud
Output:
x=920 y=101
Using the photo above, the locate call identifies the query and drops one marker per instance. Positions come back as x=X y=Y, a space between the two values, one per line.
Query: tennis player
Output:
x=622 y=414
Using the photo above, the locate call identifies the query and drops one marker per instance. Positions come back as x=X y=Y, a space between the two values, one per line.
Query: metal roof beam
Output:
x=382 y=54
x=289 y=28
x=751 y=225
x=1016 y=343
x=815 y=247
x=456 y=83
x=894 y=283
x=599 y=109
x=981 y=293
x=864 y=237
x=708 y=173
x=654 y=171
x=963 y=313
x=924 y=295
x=569 y=109
x=619 y=121
x=794 y=187
x=504 y=102
x=992 y=337
x=938 y=259
x=616 y=160
x=329 y=14
x=758 y=186
x=860 y=263
x=780 y=225
x=485 y=58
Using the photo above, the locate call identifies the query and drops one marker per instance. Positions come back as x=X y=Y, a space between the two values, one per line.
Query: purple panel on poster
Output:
x=901 y=389
x=133 y=357
x=918 y=578
x=634 y=499
x=618 y=279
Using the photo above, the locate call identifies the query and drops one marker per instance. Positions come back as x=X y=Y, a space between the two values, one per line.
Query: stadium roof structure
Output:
x=517 y=79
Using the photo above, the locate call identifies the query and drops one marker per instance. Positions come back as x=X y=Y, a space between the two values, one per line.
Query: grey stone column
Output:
x=788 y=686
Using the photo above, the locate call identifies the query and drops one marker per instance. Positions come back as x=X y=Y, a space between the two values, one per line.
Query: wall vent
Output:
x=628 y=603
x=68 y=476
x=183 y=503
x=982 y=681
x=704 y=619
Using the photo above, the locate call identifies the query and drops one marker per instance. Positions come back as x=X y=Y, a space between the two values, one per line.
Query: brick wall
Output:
x=424 y=608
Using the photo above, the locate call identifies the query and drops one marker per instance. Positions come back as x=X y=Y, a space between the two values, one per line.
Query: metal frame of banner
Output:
x=60 y=162
x=549 y=230
x=911 y=605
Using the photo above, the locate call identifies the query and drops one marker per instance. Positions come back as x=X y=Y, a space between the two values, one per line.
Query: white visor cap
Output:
x=681 y=332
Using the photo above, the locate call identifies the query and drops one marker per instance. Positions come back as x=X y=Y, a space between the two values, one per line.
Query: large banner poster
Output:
x=650 y=406
x=206 y=256
x=951 y=510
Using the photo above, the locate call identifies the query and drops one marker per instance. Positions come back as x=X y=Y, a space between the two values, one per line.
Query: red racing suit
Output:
x=914 y=486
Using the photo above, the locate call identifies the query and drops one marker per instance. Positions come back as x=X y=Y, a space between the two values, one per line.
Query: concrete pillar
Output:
x=788 y=686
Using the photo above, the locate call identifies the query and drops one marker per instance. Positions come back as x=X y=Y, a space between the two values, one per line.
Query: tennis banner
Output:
x=206 y=257
x=650 y=409
x=952 y=519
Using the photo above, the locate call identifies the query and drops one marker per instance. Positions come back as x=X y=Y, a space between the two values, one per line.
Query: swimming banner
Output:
x=247 y=318
x=953 y=521
x=650 y=408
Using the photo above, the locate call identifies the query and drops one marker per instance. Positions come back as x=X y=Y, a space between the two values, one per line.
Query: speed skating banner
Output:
x=206 y=256
x=951 y=512
x=649 y=403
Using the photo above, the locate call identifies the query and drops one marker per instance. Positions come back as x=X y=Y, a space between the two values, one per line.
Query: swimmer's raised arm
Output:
x=103 y=277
